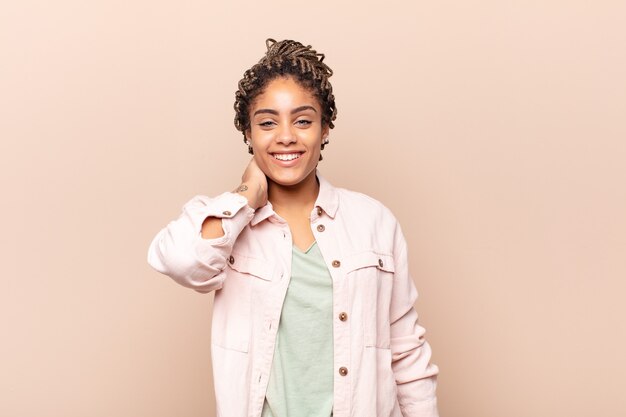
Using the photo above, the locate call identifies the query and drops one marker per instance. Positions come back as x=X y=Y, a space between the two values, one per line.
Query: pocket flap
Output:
x=260 y=268
x=370 y=258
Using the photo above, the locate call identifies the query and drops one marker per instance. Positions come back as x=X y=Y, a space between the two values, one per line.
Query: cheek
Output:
x=260 y=139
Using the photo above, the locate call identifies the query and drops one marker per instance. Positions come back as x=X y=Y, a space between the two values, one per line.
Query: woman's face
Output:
x=286 y=131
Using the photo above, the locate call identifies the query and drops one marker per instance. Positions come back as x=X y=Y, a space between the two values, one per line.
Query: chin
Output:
x=286 y=181
x=289 y=179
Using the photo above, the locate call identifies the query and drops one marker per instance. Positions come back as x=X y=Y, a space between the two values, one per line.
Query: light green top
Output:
x=301 y=379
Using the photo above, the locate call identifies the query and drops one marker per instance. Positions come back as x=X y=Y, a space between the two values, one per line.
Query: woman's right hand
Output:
x=253 y=185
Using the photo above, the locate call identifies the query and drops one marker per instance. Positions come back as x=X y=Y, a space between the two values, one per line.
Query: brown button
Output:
x=226 y=213
x=319 y=211
x=343 y=371
x=321 y=228
x=336 y=263
x=380 y=263
x=343 y=316
x=231 y=260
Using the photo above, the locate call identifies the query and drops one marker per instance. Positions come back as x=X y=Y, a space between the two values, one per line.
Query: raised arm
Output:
x=180 y=251
x=193 y=249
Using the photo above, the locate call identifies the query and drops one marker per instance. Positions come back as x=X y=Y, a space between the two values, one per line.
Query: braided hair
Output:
x=282 y=59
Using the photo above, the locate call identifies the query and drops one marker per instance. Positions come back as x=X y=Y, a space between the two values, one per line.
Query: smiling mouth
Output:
x=287 y=156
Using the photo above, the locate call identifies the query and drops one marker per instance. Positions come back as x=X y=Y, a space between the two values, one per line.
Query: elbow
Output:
x=169 y=259
x=181 y=265
x=175 y=255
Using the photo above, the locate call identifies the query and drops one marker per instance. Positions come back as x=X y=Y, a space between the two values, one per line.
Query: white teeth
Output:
x=286 y=156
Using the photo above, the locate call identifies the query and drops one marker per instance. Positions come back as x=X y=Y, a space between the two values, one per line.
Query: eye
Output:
x=303 y=122
x=267 y=123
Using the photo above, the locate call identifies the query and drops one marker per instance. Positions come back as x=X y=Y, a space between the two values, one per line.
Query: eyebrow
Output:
x=274 y=112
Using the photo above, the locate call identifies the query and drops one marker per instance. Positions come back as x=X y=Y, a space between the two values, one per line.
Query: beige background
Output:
x=495 y=130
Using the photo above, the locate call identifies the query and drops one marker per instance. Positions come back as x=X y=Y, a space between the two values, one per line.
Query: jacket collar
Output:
x=327 y=199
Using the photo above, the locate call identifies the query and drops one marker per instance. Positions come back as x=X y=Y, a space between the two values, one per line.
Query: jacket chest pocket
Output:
x=371 y=276
x=232 y=306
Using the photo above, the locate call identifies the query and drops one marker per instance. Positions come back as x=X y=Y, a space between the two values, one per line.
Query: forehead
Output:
x=284 y=92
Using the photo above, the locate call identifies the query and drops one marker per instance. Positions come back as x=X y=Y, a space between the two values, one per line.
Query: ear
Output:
x=325 y=130
x=247 y=133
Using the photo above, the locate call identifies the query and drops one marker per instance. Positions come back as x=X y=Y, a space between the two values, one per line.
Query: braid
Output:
x=286 y=58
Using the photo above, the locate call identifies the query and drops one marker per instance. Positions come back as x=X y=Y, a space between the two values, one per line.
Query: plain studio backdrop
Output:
x=494 y=130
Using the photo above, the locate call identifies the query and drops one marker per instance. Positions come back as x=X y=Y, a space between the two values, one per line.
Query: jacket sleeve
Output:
x=416 y=377
x=180 y=251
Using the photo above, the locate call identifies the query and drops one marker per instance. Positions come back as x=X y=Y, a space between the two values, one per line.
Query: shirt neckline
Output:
x=306 y=251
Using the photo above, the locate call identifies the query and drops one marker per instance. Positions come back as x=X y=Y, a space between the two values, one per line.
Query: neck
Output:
x=298 y=198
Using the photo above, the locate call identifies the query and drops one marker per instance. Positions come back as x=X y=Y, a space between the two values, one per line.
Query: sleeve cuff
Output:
x=235 y=213
x=225 y=205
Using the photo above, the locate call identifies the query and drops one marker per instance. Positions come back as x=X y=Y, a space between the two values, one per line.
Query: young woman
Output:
x=313 y=312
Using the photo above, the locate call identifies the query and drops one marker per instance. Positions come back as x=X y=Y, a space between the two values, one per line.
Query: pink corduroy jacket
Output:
x=381 y=360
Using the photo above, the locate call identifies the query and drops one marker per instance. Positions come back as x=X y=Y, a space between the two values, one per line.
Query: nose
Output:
x=286 y=135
